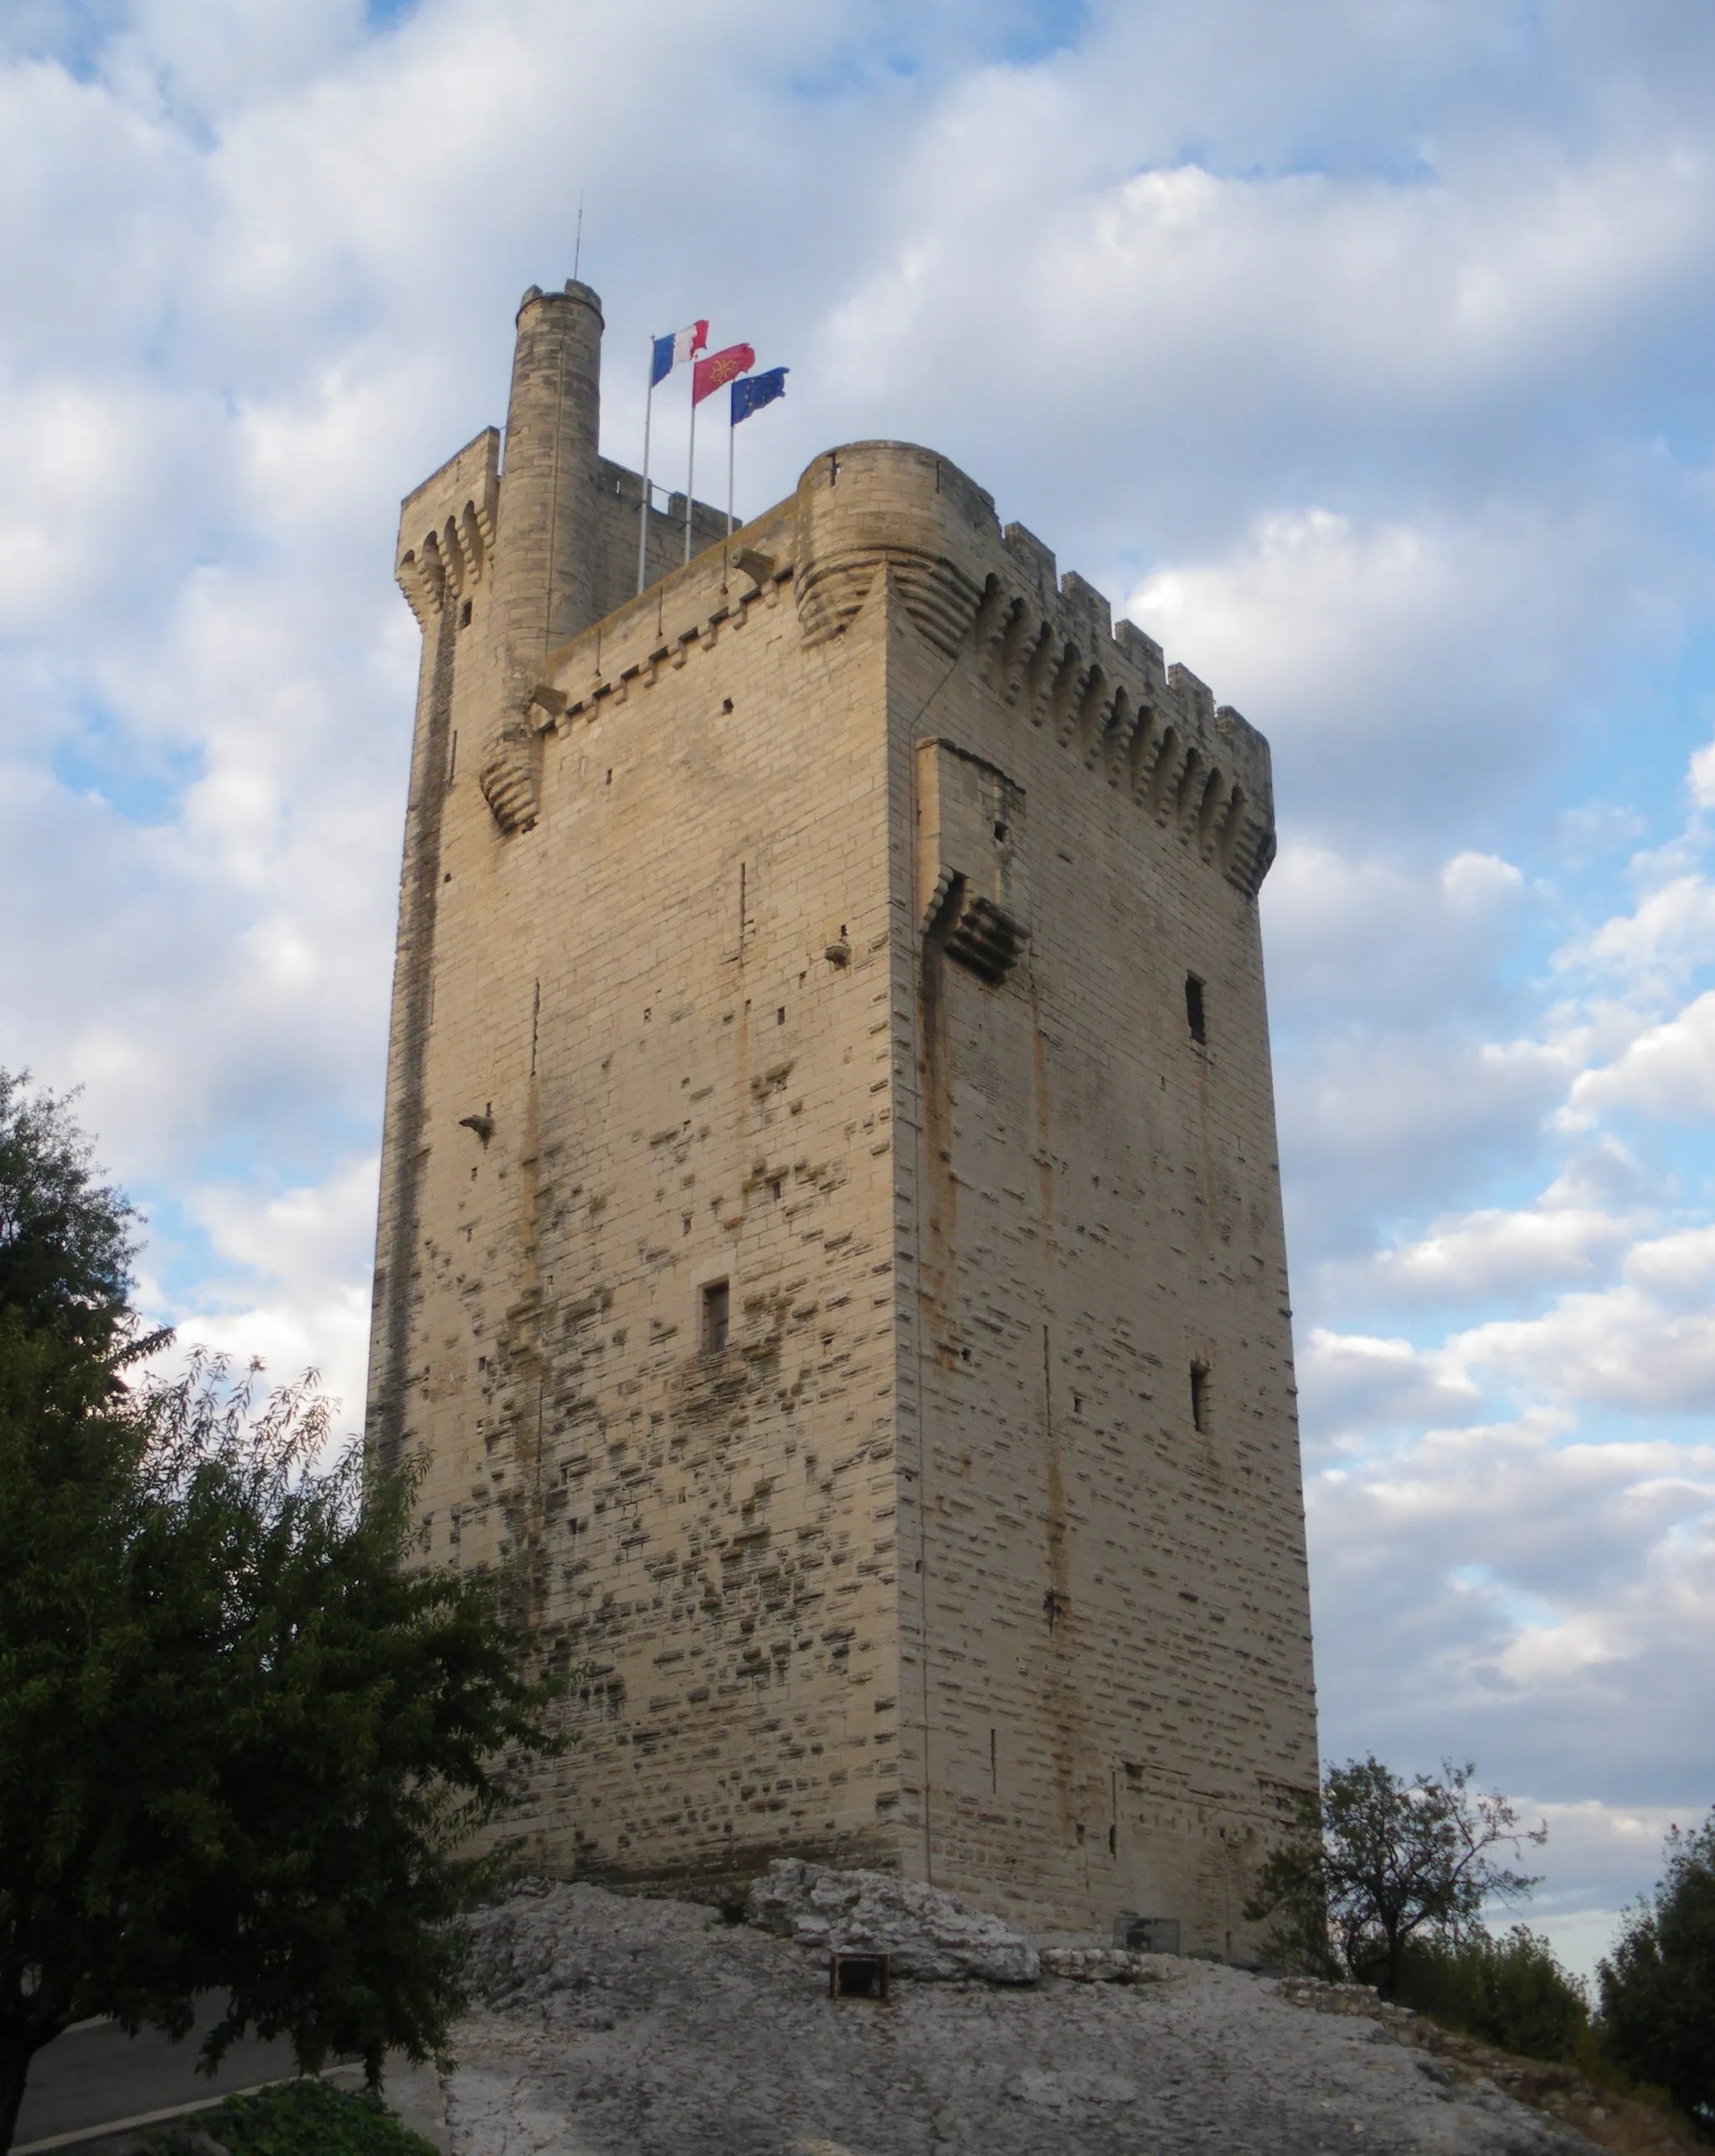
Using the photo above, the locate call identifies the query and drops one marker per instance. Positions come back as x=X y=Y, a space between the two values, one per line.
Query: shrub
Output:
x=296 y=2118
x=1509 y=1992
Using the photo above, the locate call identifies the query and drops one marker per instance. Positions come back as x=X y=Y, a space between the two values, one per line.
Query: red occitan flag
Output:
x=718 y=369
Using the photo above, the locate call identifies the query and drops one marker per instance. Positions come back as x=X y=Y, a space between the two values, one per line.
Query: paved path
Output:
x=96 y=2076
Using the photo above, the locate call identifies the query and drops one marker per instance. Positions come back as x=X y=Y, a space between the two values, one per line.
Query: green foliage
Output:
x=1377 y=1860
x=65 y=1246
x=1384 y=1882
x=1509 y=1992
x=245 y=1736
x=299 y=2118
x=1658 y=1985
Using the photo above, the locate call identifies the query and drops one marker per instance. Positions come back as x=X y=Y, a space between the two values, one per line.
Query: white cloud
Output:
x=1384 y=935
x=1375 y=1125
x=1550 y=1597
x=1701 y=776
x=1493 y=1252
x=1476 y=883
x=1667 y=936
x=1593 y=1211
x=1353 y=1384
x=1667 y=1072
x=285 y=1278
x=1646 y=1344
x=1408 y=670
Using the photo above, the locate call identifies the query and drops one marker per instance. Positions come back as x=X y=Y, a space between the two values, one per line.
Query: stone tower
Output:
x=830 y=1239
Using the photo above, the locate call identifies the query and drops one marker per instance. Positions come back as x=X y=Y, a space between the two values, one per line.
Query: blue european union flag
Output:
x=751 y=392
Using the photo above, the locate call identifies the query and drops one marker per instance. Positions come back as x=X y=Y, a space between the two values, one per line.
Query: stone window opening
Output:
x=1200 y=1397
x=716 y=1317
x=1194 y=1016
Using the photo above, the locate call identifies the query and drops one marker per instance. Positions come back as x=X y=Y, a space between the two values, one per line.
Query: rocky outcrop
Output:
x=522 y=1949
x=929 y=1935
x=1110 y=1965
x=616 y=2025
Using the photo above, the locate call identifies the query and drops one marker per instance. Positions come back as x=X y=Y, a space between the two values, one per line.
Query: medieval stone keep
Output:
x=830 y=1233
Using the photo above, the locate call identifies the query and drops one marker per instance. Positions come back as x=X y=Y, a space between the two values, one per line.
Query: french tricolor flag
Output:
x=668 y=353
x=665 y=353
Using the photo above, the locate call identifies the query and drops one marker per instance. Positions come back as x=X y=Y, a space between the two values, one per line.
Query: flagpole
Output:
x=691 y=466
x=732 y=436
x=643 y=517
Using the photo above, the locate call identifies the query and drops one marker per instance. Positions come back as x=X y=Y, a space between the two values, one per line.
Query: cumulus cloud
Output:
x=1351 y=1384
x=1549 y=1595
x=1494 y=1251
x=1647 y=1343
x=1385 y=936
x=308 y=1251
x=1572 y=1234
x=1409 y=671
x=1379 y=1124
x=1667 y=1072
x=1661 y=942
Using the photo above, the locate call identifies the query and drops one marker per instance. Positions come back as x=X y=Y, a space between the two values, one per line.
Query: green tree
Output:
x=1378 y=1861
x=245 y=1737
x=1658 y=1985
x=65 y=1237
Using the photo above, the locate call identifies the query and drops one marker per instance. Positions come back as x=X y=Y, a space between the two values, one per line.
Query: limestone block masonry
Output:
x=830 y=1247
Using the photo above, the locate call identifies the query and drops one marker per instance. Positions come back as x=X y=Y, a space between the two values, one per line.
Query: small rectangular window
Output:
x=716 y=1305
x=1193 y=1008
x=1200 y=1396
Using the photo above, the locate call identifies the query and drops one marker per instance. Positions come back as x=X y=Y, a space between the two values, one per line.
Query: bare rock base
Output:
x=931 y=1936
x=619 y=2027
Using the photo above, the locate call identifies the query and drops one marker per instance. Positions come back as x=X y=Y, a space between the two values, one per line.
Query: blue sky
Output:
x=1358 y=349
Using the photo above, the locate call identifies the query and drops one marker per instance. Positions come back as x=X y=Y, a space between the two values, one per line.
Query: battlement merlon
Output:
x=874 y=516
x=446 y=527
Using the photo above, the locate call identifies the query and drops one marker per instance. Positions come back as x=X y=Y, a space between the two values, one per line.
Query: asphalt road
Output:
x=95 y=2076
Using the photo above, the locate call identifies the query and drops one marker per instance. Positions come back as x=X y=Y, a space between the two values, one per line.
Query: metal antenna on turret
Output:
x=577 y=247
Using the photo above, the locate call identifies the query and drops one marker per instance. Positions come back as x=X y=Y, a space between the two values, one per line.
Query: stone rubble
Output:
x=611 y=2025
x=931 y=1936
x=1110 y=1965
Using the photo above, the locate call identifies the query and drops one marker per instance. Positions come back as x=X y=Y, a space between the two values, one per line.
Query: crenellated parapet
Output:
x=1152 y=731
x=879 y=517
x=447 y=529
x=870 y=518
x=888 y=512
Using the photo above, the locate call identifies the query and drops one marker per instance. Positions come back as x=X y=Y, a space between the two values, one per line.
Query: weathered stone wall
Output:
x=827 y=933
x=679 y=1086
x=1106 y=1621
